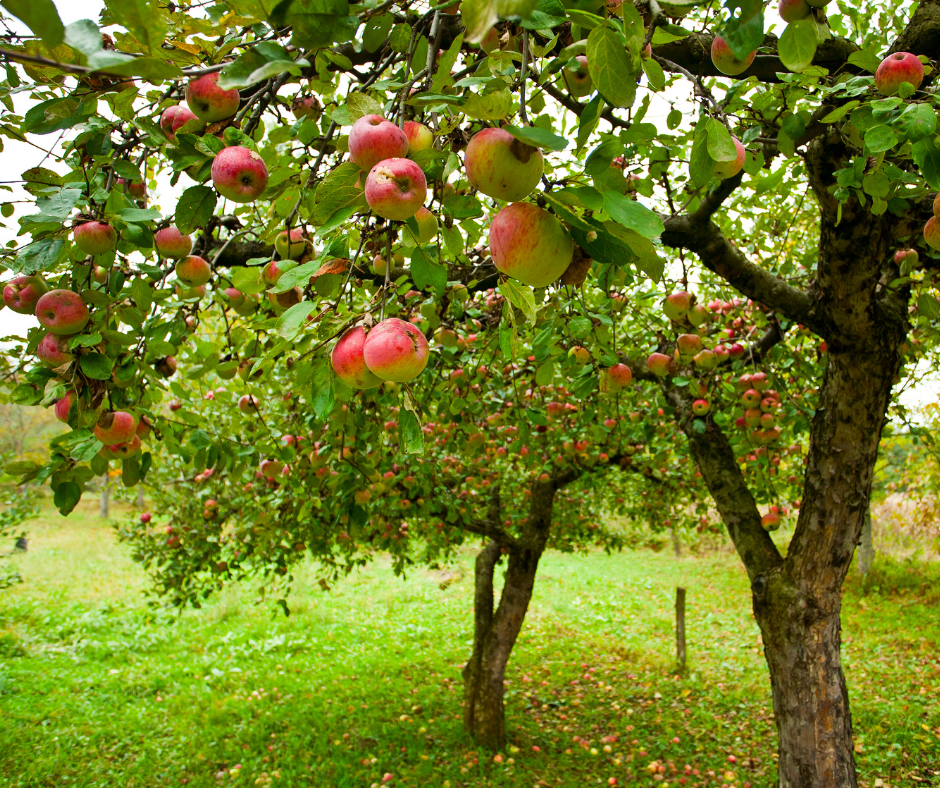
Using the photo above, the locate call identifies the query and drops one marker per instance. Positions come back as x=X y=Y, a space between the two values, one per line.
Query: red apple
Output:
x=62 y=312
x=349 y=363
x=373 y=139
x=677 y=305
x=306 y=107
x=501 y=166
x=53 y=351
x=94 y=238
x=248 y=403
x=271 y=469
x=123 y=450
x=174 y=118
x=239 y=174
x=115 y=427
x=616 y=378
x=688 y=345
x=208 y=101
x=420 y=137
x=530 y=244
x=22 y=293
x=700 y=407
x=932 y=232
x=396 y=350
x=728 y=169
x=581 y=355
x=396 y=189
x=793 y=10
x=658 y=364
x=193 y=271
x=895 y=70
x=145 y=518
x=171 y=243
x=63 y=406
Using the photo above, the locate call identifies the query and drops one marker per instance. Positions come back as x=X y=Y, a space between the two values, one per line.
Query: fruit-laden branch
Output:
x=722 y=474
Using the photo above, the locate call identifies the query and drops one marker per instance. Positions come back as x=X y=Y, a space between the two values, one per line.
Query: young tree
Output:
x=324 y=275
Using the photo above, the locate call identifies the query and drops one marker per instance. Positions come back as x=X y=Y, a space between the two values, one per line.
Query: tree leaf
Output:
x=520 y=296
x=797 y=45
x=410 y=434
x=610 y=66
x=96 y=366
x=66 y=497
x=865 y=59
x=144 y=19
x=41 y=17
x=290 y=323
x=195 y=208
x=547 y=14
x=917 y=122
x=880 y=138
x=632 y=215
x=926 y=155
x=428 y=273
x=360 y=104
x=480 y=15
x=720 y=144
x=538 y=137
x=590 y=116
x=744 y=30
x=489 y=106
x=701 y=164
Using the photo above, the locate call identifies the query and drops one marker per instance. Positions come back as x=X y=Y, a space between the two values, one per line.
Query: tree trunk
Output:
x=676 y=544
x=495 y=635
x=140 y=496
x=866 y=548
x=103 y=509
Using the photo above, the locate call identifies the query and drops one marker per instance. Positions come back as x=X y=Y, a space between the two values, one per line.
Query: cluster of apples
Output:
x=761 y=404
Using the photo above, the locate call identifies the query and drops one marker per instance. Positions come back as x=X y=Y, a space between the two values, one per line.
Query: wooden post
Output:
x=680 y=628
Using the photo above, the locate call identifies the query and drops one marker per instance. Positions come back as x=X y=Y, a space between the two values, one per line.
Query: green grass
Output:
x=98 y=689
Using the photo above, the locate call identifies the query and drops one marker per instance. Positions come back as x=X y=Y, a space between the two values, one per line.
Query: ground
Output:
x=98 y=689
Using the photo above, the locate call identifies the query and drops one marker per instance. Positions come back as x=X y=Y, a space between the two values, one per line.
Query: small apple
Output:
x=728 y=169
x=125 y=449
x=306 y=107
x=530 y=244
x=63 y=406
x=688 y=345
x=145 y=518
x=248 y=403
x=239 y=174
x=171 y=243
x=932 y=232
x=349 y=363
x=726 y=61
x=700 y=407
x=420 y=137
x=193 y=271
x=895 y=70
x=427 y=225
x=62 y=312
x=22 y=293
x=373 y=139
x=208 y=101
x=581 y=355
x=616 y=378
x=95 y=238
x=115 y=427
x=578 y=81
x=396 y=189
x=396 y=350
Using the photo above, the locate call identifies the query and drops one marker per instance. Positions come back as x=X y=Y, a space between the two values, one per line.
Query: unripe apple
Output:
x=396 y=350
x=728 y=169
x=688 y=345
x=726 y=61
x=793 y=10
x=396 y=189
x=171 y=243
x=530 y=244
x=700 y=407
x=348 y=361
x=706 y=360
x=578 y=81
x=932 y=232
x=95 y=238
x=62 y=312
x=427 y=225
x=698 y=315
x=208 y=101
x=193 y=271
x=677 y=305
x=658 y=364
x=296 y=248
x=616 y=378
x=501 y=166
x=581 y=355
x=175 y=117
x=63 y=406
x=420 y=137
x=895 y=70
x=239 y=174
x=271 y=469
x=234 y=297
x=373 y=139
x=53 y=351
x=22 y=293
x=115 y=427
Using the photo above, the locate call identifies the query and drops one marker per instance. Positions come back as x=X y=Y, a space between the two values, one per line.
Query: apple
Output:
x=581 y=355
x=95 y=238
x=909 y=255
x=208 y=101
x=578 y=81
x=396 y=189
x=658 y=364
x=292 y=249
x=427 y=225
x=305 y=107
x=247 y=403
x=53 y=351
x=706 y=359
x=700 y=407
x=793 y=10
x=895 y=70
x=420 y=137
x=751 y=398
x=272 y=272
x=63 y=406
x=728 y=169
x=501 y=166
x=166 y=366
x=171 y=243
x=752 y=417
x=688 y=345
x=239 y=174
x=677 y=305
x=396 y=350
x=348 y=361
x=22 y=293
x=726 y=61
x=144 y=426
x=736 y=351
x=373 y=139
x=271 y=469
x=530 y=244
x=760 y=381
x=932 y=232
x=136 y=189
x=174 y=118
x=286 y=300
x=698 y=315
x=936 y=205
x=193 y=271
x=616 y=378
x=145 y=518
x=770 y=521
x=100 y=275
x=115 y=427
x=125 y=449
x=62 y=312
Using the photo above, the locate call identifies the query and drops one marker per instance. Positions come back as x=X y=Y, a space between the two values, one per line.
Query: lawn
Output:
x=99 y=689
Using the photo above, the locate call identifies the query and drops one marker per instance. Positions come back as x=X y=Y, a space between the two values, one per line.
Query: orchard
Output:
x=482 y=273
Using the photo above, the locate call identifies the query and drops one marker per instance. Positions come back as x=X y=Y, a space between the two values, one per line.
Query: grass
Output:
x=98 y=689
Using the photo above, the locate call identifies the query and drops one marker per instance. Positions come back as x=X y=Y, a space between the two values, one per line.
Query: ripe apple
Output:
x=136 y=189
x=793 y=10
x=166 y=366
x=248 y=403
x=145 y=518
x=420 y=137
x=770 y=521
x=373 y=139
x=305 y=107
x=677 y=305
x=348 y=361
x=726 y=61
x=239 y=174
x=121 y=451
x=688 y=345
x=616 y=378
x=286 y=300
x=171 y=243
x=22 y=293
x=95 y=238
x=909 y=255
x=706 y=359
x=193 y=271
x=501 y=166
x=658 y=364
x=936 y=205
x=53 y=351
x=62 y=312
x=396 y=350
x=578 y=81
x=295 y=248
x=728 y=169
x=208 y=101
x=751 y=398
x=530 y=244
x=175 y=117
x=895 y=70
x=63 y=406
x=115 y=427
x=698 y=315
x=932 y=232
x=700 y=407
x=396 y=189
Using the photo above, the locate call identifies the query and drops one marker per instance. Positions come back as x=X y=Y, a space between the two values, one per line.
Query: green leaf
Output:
x=917 y=122
x=547 y=14
x=538 y=137
x=840 y=112
x=84 y=37
x=490 y=106
x=130 y=472
x=480 y=15
x=96 y=366
x=40 y=255
x=66 y=497
x=744 y=31
x=866 y=60
x=410 y=434
x=797 y=45
x=195 y=208
x=928 y=306
x=263 y=61
x=428 y=273
x=442 y=77
x=520 y=296
x=248 y=281
x=880 y=138
x=701 y=164
x=360 y=104
x=720 y=144
x=610 y=66
x=41 y=17
x=654 y=73
x=632 y=215
x=322 y=394
x=21 y=467
x=144 y=19
x=590 y=116
x=926 y=155
x=290 y=323
x=315 y=23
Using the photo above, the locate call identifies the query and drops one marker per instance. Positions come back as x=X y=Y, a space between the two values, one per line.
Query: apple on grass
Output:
x=396 y=189
x=95 y=238
x=396 y=350
x=726 y=61
x=349 y=362
x=22 y=293
x=239 y=174
x=688 y=346
x=420 y=137
x=175 y=117
x=529 y=244
x=501 y=166
x=171 y=243
x=193 y=271
x=115 y=427
x=208 y=101
x=372 y=139
x=62 y=312
x=895 y=70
